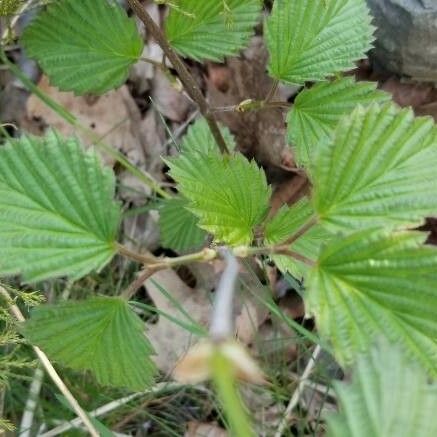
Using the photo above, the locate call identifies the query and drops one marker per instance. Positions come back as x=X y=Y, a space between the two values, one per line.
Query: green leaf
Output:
x=287 y=222
x=308 y=245
x=57 y=213
x=179 y=226
x=309 y=40
x=212 y=29
x=388 y=396
x=370 y=284
x=84 y=46
x=229 y=194
x=199 y=138
x=377 y=170
x=102 y=335
x=316 y=112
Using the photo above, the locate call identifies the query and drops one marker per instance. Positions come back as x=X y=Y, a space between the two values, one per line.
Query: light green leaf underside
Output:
x=286 y=223
x=316 y=112
x=199 y=138
x=388 y=396
x=101 y=334
x=57 y=213
x=379 y=169
x=229 y=194
x=370 y=284
x=309 y=40
x=213 y=30
x=179 y=226
x=84 y=46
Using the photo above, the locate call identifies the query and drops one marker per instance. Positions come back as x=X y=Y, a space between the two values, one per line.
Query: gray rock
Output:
x=406 y=37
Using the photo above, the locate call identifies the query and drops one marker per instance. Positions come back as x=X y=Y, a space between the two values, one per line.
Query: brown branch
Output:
x=281 y=250
x=272 y=91
x=185 y=76
x=137 y=283
x=306 y=227
x=139 y=257
x=158 y=264
x=244 y=252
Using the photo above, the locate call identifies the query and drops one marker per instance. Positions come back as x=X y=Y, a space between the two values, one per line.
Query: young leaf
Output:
x=309 y=40
x=377 y=170
x=308 y=245
x=388 y=396
x=377 y=283
x=316 y=111
x=199 y=138
x=287 y=222
x=212 y=29
x=84 y=46
x=57 y=213
x=229 y=194
x=179 y=226
x=101 y=334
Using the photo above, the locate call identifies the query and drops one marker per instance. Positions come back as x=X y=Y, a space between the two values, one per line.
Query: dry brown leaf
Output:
x=267 y=411
x=199 y=429
x=292 y=305
x=248 y=321
x=170 y=102
x=169 y=340
x=152 y=134
x=252 y=315
x=413 y=94
x=289 y=192
x=276 y=342
x=195 y=367
x=113 y=116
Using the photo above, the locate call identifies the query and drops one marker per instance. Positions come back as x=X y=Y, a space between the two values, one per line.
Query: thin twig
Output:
x=306 y=227
x=252 y=105
x=285 y=250
x=166 y=263
x=185 y=76
x=203 y=255
x=15 y=311
x=139 y=257
x=181 y=129
x=298 y=392
x=153 y=265
x=137 y=283
x=272 y=91
x=156 y=64
x=244 y=252
x=315 y=386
